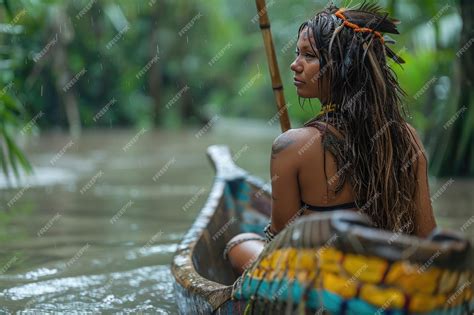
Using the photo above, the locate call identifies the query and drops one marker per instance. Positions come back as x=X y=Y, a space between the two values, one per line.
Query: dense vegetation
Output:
x=167 y=63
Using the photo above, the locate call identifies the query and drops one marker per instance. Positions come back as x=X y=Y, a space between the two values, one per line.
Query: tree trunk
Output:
x=154 y=76
x=63 y=74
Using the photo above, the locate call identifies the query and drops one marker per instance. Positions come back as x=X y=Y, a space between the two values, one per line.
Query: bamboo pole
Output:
x=277 y=86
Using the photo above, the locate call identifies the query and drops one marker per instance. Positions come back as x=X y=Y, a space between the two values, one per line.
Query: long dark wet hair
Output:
x=377 y=142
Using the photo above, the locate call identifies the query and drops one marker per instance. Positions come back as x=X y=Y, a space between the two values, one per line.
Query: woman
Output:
x=358 y=153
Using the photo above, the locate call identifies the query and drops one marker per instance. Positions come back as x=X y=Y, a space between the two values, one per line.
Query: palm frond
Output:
x=12 y=159
x=3 y=161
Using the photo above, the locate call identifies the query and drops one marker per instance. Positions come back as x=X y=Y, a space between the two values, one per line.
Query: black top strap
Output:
x=348 y=205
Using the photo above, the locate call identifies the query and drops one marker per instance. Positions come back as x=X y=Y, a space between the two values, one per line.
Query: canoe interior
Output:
x=237 y=203
x=244 y=207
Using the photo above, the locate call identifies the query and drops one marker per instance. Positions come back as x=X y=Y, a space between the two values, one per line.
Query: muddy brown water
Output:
x=96 y=228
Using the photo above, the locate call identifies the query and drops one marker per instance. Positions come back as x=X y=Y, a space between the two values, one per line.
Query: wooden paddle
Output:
x=277 y=86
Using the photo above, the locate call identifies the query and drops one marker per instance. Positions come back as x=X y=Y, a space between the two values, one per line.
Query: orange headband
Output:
x=356 y=27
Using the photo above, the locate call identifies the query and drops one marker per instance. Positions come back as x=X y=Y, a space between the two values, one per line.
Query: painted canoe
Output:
x=328 y=263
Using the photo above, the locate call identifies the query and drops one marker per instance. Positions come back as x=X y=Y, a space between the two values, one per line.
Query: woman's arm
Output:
x=425 y=220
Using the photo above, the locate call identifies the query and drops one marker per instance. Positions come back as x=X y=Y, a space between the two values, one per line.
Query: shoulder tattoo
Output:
x=280 y=144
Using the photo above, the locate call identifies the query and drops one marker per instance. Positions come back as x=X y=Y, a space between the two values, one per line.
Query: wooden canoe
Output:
x=331 y=263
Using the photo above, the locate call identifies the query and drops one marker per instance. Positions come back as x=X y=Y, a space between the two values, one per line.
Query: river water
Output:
x=95 y=229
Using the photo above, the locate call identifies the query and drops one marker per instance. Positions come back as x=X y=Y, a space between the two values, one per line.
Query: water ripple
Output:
x=141 y=289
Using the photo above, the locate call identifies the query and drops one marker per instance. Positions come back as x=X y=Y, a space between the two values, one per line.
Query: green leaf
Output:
x=3 y=161
x=6 y=4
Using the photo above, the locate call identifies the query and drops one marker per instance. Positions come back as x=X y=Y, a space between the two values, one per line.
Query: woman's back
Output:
x=323 y=176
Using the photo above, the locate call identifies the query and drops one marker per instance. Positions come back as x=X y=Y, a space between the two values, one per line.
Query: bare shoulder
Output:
x=294 y=141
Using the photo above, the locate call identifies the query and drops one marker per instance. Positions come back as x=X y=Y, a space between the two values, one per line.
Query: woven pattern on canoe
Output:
x=291 y=278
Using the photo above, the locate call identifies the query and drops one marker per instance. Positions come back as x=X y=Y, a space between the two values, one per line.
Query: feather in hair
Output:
x=372 y=16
